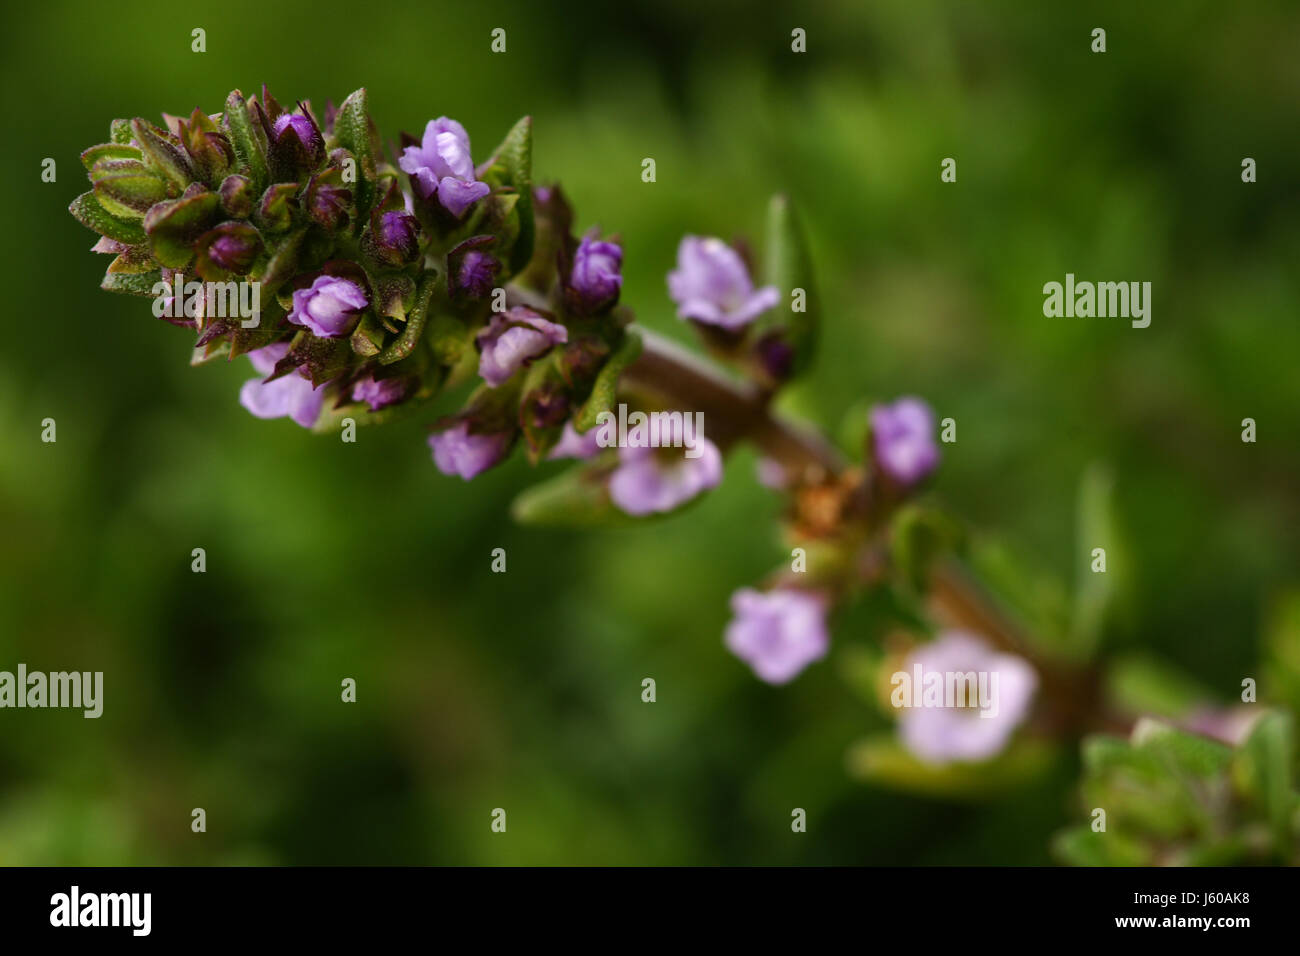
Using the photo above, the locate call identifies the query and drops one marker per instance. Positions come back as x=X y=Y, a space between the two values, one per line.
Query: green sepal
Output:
x=119 y=132
x=604 y=390
x=129 y=196
x=368 y=337
x=134 y=261
x=409 y=338
x=174 y=224
x=109 y=151
x=162 y=155
x=140 y=283
x=88 y=211
x=357 y=134
x=247 y=139
x=513 y=162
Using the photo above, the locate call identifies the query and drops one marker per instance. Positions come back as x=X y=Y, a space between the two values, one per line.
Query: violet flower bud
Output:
x=326 y=200
x=712 y=285
x=939 y=730
x=231 y=246
x=513 y=339
x=595 y=279
x=237 y=197
x=458 y=451
x=653 y=480
x=477 y=273
x=380 y=393
x=442 y=166
x=902 y=437
x=393 y=238
x=291 y=394
x=777 y=633
x=296 y=143
x=330 y=307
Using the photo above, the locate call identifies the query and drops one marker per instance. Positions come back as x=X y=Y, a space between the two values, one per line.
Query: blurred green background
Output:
x=522 y=691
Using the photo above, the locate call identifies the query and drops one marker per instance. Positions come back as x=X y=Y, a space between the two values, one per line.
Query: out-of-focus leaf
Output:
x=789 y=267
x=1081 y=846
x=1264 y=770
x=1098 y=593
x=882 y=760
x=573 y=499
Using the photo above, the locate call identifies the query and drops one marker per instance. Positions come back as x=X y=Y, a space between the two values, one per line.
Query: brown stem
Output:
x=738 y=411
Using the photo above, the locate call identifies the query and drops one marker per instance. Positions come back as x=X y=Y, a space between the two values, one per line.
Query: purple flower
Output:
x=903 y=438
x=513 y=339
x=379 y=393
x=573 y=444
x=458 y=452
x=477 y=273
x=943 y=730
x=291 y=394
x=595 y=277
x=441 y=165
x=712 y=285
x=778 y=633
x=647 y=481
x=329 y=307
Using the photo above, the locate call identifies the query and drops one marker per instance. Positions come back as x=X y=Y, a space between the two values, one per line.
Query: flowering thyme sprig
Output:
x=387 y=278
x=376 y=278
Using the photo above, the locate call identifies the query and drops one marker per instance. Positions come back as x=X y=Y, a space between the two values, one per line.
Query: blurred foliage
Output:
x=478 y=690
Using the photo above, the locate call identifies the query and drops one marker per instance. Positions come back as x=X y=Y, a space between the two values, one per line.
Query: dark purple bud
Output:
x=595 y=279
x=380 y=393
x=231 y=246
x=775 y=357
x=393 y=238
x=296 y=144
x=477 y=274
x=544 y=407
x=327 y=201
x=237 y=196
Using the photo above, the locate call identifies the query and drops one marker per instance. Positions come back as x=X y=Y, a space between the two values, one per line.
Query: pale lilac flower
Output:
x=442 y=165
x=379 y=393
x=573 y=444
x=902 y=436
x=596 y=279
x=1230 y=725
x=456 y=451
x=771 y=473
x=778 y=633
x=712 y=285
x=512 y=340
x=329 y=307
x=291 y=394
x=650 y=480
x=941 y=734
